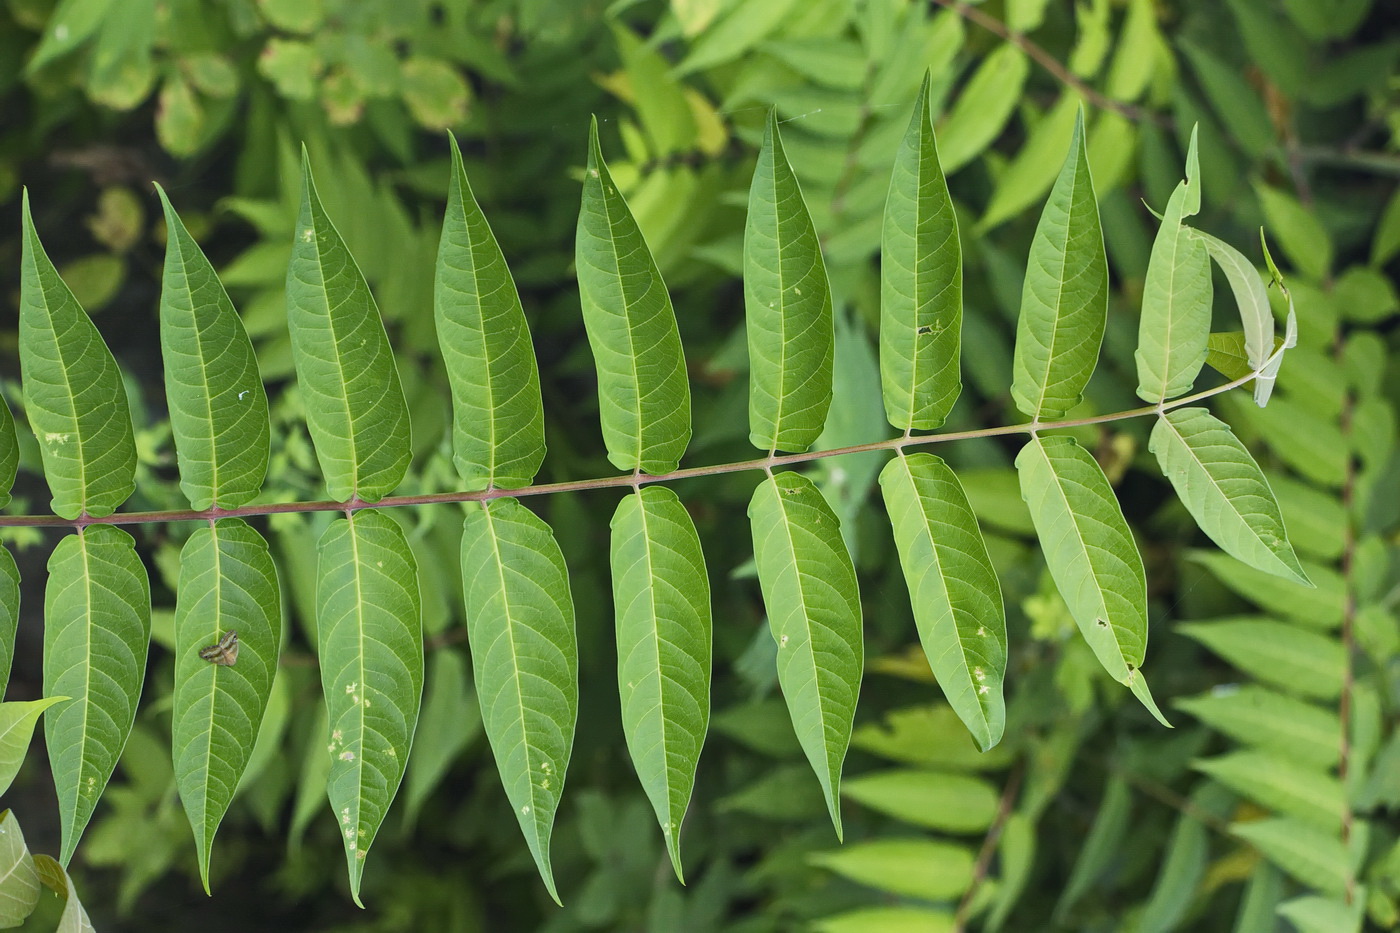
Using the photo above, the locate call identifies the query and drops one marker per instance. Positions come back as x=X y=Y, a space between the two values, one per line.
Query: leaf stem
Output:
x=765 y=463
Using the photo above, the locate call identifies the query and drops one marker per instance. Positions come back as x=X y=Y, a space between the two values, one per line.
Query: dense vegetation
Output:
x=1269 y=806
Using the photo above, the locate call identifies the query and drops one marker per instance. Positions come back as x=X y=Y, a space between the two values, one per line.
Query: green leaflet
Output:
x=227 y=583
x=97 y=628
x=953 y=588
x=370 y=643
x=787 y=306
x=497 y=414
x=74 y=918
x=985 y=104
x=218 y=408
x=662 y=596
x=1091 y=555
x=927 y=869
x=953 y=803
x=809 y=591
x=9 y=613
x=17 y=721
x=451 y=721
x=1298 y=660
x=1315 y=857
x=520 y=626
x=920 y=284
x=1253 y=301
x=1275 y=780
x=349 y=383
x=19 y=881
x=1064 y=301
x=1101 y=844
x=1031 y=173
x=643 y=392
x=1224 y=489
x=74 y=396
x=1254 y=715
x=1176 y=297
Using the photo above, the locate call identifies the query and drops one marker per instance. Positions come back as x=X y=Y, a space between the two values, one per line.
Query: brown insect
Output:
x=224 y=652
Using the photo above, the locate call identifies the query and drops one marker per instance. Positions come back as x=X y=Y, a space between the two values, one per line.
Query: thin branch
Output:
x=1348 y=636
x=1051 y=64
x=627 y=480
x=989 y=845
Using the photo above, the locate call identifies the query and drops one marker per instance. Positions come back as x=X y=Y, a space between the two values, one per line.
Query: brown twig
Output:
x=1348 y=635
x=989 y=845
x=1053 y=65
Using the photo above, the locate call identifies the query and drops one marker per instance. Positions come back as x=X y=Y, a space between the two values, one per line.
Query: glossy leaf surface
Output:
x=370 y=639
x=349 y=382
x=97 y=626
x=661 y=592
x=1091 y=554
x=520 y=625
x=809 y=591
x=787 y=305
x=1224 y=490
x=1064 y=299
x=1176 y=297
x=953 y=587
x=227 y=584
x=218 y=407
x=73 y=391
x=643 y=392
x=497 y=412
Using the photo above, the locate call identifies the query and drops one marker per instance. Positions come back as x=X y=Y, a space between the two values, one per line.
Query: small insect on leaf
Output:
x=224 y=652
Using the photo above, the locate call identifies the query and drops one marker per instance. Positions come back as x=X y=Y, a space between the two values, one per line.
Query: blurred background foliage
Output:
x=1088 y=816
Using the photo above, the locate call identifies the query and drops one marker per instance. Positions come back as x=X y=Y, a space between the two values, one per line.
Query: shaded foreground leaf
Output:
x=662 y=596
x=1091 y=555
x=17 y=721
x=74 y=396
x=9 y=613
x=370 y=640
x=520 y=626
x=74 y=918
x=497 y=412
x=954 y=590
x=920 y=284
x=218 y=407
x=810 y=594
x=1224 y=489
x=643 y=391
x=349 y=382
x=787 y=307
x=227 y=584
x=1064 y=301
x=97 y=629
x=19 y=879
